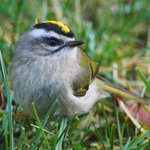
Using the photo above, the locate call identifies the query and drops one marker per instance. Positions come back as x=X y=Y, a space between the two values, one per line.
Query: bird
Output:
x=48 y=64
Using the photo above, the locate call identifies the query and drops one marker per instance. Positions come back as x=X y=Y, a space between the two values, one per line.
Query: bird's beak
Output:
x=74 y=43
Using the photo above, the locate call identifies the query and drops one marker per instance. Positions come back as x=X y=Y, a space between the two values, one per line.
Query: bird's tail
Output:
x=111 y=88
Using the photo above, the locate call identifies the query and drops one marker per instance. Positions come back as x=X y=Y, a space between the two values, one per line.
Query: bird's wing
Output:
x=90 y=70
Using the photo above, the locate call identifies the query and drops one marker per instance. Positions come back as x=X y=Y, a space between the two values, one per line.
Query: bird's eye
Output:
x=52 y=42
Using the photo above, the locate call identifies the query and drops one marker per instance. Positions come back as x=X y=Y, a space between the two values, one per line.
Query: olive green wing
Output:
x=90 y=70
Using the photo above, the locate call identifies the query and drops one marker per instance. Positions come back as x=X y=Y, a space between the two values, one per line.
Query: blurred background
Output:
x=114 y=31
x=116 y=34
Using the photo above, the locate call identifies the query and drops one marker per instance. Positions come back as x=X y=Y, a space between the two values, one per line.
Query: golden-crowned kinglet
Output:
x=48 y=65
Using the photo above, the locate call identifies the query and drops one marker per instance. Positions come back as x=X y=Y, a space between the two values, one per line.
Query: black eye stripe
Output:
x=52 y=41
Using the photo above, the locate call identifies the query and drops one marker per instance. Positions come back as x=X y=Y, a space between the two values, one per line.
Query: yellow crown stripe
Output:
x=60 y=24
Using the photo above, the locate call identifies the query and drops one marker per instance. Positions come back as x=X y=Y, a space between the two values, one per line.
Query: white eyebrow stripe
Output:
x=40 y=33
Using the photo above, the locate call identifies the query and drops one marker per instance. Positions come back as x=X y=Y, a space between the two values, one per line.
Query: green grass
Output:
x=142 y=76
x=114 y=31
x=7 y=118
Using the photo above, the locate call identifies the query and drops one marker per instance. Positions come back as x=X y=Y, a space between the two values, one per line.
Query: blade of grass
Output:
x=61 y=134
x=5 y=130
x=118 y=125
x=99 y=135
x=40 y=125
x=56 y=133
x=38 y=135
x=85 y=133
x=55 y=123
x=111 y=138
x=145 y=145
x=46 y=131
x=106 y=120
x=9 y=101
x=127 y=144
x=70 y=122
x=142 y=76
x=44 y=10
x=35 y=10
x=138 y=139
x=20 y=146
x=136 y=123
x=119 y=91
x=127 y=126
